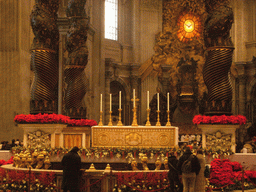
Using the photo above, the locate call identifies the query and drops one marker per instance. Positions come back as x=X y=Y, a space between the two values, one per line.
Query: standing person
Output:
x=200 y=178
x=188 y=172
x=173 y=174
x=71 y=163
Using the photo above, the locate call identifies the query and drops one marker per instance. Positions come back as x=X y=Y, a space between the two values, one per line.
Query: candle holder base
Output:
x=120 y=122
x=168 y=119
x=158 y=119
x=148 y=122
x=100 y=123
x=110 y=119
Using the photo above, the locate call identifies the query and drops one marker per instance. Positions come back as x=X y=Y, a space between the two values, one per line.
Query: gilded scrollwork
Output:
x=219 y=141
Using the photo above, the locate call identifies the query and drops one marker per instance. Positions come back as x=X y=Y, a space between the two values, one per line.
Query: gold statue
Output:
x=23 y=159
x=134 y=165
x=34 y=158
x=158 y=164
x=145 y=162
x=166 y=167
x=15 y=159
x=29 y=162
x=40 y=161
x=47 y=163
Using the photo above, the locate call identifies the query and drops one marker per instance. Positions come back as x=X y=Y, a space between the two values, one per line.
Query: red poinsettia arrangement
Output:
x=82 y=122
x=223 y=119
x=41 y=118
x=221 y=173
x=53 y=118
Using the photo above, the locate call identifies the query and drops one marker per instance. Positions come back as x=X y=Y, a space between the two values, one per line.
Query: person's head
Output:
x=75 y=149
x=188 y=150
x=199 y=151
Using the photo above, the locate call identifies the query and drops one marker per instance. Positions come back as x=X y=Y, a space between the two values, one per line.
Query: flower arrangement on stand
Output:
x=53 y=118
x=222 y=119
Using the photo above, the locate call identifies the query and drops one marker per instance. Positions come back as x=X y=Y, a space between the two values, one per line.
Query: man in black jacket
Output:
x=188 y=179
x=173 y=174
x=71 y=163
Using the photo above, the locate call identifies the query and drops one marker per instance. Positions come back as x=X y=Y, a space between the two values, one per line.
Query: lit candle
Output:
x=120 y=99
x=158 y=101
x=100 y=102
x=110 y=106
x=133 y=98
x=147 y=99
x=168 y=101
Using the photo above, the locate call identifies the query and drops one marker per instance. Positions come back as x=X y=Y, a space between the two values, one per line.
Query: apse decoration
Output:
x=189 y=27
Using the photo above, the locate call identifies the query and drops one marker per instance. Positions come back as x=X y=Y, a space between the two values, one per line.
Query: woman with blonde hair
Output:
x=200 y=178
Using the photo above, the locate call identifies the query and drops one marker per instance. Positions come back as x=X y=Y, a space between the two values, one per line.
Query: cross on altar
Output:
x=136 y=100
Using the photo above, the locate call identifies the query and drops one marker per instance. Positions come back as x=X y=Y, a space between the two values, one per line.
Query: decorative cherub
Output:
x=134 y=165
x=40 y=161
x=144 y=161
x=158 y=164
x=47 y=163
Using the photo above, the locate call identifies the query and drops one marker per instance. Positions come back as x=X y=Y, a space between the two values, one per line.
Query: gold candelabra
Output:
x=110 y=119
x=134 y=122
x=100 y=123
x=120 y=121
x=168 y=119
x=148 y=122
x=158 y=119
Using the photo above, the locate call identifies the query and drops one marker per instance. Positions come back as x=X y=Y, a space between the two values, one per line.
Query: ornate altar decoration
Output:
x=219 y=141
x=219 y=56
x=38 y=139
x=44 y=57
x=135 y=136
x=76 y=81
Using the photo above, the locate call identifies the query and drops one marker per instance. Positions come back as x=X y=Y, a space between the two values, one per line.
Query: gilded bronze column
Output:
x=219 y=57
x=75 y=78
x=44 y=57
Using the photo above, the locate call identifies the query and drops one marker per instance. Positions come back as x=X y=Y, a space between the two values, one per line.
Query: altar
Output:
x=135 y=136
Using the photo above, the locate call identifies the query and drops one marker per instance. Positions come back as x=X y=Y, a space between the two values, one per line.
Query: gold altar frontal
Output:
x=135 y=136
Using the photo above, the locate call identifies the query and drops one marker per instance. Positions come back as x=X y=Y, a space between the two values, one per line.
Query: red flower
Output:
x=223 y=119
x=53 y=118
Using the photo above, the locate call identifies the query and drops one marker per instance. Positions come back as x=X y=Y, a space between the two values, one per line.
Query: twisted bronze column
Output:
x=77 y=60
x=44 y=57
x=219 y=57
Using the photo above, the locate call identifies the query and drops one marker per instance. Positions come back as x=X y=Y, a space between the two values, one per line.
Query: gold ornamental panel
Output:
x=134 y=136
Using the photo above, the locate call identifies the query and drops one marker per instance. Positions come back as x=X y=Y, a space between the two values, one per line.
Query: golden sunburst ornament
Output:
x=189 y=27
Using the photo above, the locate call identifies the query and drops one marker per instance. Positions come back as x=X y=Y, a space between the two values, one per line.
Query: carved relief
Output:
x=218 y=141
x=38 y=139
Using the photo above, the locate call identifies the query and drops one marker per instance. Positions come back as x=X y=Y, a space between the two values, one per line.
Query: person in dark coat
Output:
x=173 y=174
x=189 y=179
x=71 y=164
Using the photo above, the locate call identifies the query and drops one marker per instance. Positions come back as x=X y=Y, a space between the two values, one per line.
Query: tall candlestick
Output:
x=100 y=102
x=133 y=98
x=168 y=102
x=147 y=99
x=110 y=106
x=120 y=99
x=158 y=101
